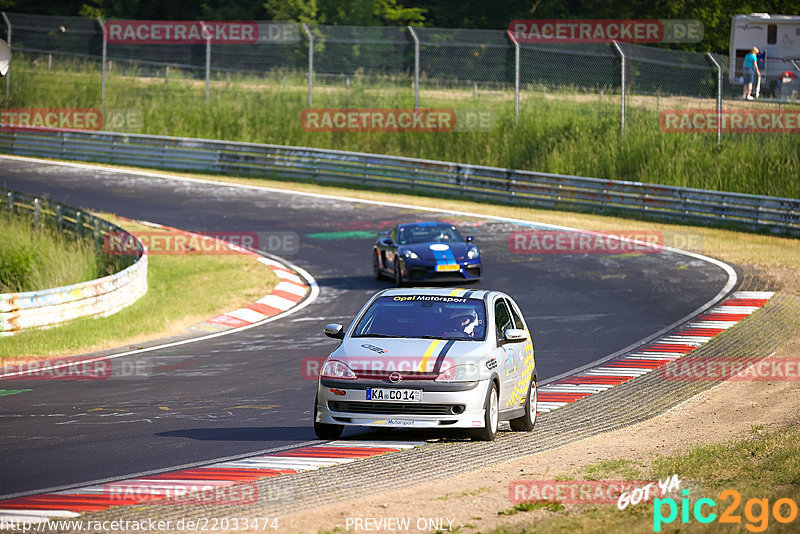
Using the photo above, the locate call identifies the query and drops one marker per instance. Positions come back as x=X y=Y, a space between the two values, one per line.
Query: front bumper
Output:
x=418 y=272
x=438 y=409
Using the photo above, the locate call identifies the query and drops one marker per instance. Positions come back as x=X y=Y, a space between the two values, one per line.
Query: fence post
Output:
x=208 y=56
x=96 y=234
x=516 y=75
x=416 y=66
x=105 y=50
x=8 y=74
x=310 y=63
x=719 y=96
x=37 y=212
x=10 y=197
x=622 y=82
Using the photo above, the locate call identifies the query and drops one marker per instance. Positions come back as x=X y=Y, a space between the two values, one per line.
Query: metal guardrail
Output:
x=693 y=206
x=100 y=297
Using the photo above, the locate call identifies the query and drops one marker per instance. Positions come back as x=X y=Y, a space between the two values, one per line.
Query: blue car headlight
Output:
x=411 y=255
x=473 y=253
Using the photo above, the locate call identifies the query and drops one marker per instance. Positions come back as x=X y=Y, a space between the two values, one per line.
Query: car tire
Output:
x=491 y=417
x=325 y=430
x=376 y=266
x=398 y=274
x=527 y=421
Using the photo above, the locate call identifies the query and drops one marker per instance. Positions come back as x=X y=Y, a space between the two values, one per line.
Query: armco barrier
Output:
x=694 y=206
x=100 y=297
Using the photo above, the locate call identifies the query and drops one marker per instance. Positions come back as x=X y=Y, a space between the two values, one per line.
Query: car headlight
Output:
x=411 y=255
x=338 y=370
x=473 y=253
x=459 y=373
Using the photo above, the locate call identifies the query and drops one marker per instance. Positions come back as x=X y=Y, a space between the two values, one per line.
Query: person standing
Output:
x=750 y=73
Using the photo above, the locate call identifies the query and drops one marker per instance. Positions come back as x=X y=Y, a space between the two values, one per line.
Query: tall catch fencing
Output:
x=417 y=62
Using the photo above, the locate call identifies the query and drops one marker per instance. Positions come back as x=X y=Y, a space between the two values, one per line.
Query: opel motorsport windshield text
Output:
x=432 y=298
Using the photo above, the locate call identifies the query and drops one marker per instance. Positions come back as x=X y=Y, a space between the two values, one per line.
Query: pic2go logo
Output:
x=756 y=511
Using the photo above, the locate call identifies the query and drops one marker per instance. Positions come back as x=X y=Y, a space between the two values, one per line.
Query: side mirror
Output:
x=386 y=241
x=336 y=331
x=470 y=239
x=514 y=335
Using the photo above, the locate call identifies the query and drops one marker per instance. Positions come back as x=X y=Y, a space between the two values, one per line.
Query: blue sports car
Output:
x=426 y=252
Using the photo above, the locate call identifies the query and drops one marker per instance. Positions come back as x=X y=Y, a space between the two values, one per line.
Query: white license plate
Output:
x=394 y=395
x=451 y=267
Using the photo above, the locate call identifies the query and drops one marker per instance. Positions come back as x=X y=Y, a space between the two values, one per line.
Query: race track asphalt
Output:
x=246 y=392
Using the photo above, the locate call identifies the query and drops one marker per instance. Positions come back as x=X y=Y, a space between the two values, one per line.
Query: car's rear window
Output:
x=424 y=316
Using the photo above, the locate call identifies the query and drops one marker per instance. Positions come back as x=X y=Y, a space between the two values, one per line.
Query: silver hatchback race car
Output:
x=430 y=358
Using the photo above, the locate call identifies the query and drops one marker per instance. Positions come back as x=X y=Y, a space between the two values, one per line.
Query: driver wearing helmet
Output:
x=462 y=323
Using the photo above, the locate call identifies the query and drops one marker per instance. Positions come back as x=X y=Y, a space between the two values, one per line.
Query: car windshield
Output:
x=424 y=316
x=428 y=233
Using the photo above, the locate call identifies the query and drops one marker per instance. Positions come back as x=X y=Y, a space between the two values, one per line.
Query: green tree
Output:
x=127 y=9
x=349 y=12
x=42 y=7
x=369 y=13
x=233 y=10
x=294 y=10
x=392 y=14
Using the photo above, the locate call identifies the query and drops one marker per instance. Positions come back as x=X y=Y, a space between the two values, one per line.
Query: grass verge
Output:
x=34 y=259
x=762 y=469
x=565 y=132
x=183 y=290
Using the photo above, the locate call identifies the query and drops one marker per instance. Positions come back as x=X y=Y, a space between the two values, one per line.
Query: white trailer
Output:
x=778 y=40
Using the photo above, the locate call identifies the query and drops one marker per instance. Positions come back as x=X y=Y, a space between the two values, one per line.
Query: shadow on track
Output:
x=278 y=433
x=353 y=282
